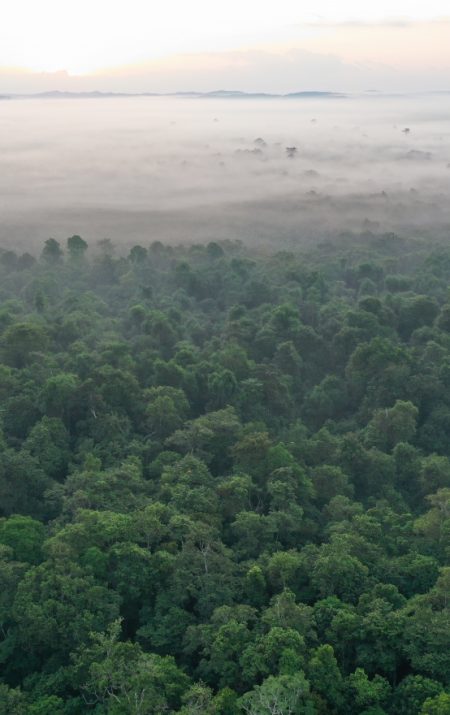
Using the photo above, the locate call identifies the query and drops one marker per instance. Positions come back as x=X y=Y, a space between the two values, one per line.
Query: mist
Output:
x=264 y=171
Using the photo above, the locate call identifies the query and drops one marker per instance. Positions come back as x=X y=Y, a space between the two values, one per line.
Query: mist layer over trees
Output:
x=183 y=169
x=225 y=479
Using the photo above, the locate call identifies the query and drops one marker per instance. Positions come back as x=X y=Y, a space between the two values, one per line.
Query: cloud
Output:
x=326 y=24
x=388 y=22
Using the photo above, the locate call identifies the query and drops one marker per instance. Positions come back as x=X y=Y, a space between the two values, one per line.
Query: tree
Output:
x=435 y=474
x=325 y=676
x=435 y=523
x=121 y=488
x=285 y=612
x=279 y=695
x=222 y=645
x=222 y=386
x=280 y=651
x=378 y=369
x=428 y=630
x=330 y=481
x=166 y=410
x=137 y=255
x=188 y=486
x=21 y=341
x=412 y=692
x=340 y=574
x=12 y=701
x=47 y=705
x=439 y=705
x=365 y=693
x=126 y=680
x=56 y=607
x=203 y=575
x=25 y=536
x=252 y=533
x=77 y=247
x=389 y=427
x=210 y=437
x=57 y=395
x=199 y=700
x=251 y=455
x=416 y=312
x=48 y=442
x=23 y=486
x=52 y=253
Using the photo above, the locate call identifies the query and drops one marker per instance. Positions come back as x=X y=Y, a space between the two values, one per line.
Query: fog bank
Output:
x=181 y=169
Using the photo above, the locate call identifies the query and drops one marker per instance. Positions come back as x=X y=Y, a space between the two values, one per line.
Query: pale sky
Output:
x=165 y=45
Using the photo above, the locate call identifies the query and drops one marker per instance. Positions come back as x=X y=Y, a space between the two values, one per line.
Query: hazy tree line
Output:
x=225 y=479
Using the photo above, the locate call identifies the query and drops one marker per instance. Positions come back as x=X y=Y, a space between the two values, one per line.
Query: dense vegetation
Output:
x=225 y=480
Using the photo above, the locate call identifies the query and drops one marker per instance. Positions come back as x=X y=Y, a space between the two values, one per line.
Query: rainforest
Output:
x=225 y=477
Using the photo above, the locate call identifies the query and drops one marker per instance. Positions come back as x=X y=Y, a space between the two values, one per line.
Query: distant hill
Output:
x=217 y=94
x=223 y=94
x=230 y=94
x=313 y=95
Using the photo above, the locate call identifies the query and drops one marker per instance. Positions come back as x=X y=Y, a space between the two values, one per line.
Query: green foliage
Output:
x=24 y=536
x=124 y=679
x=225 y=480
x=52 y=253
x=21 y=341
x=439 y=705
x=281 y=695
x=76 y=247
x=389 y=427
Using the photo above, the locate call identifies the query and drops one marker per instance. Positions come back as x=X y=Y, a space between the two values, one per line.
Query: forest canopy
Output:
x=225 y=479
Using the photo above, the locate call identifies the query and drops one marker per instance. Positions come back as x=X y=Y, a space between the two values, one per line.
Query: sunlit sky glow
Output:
x=85 y=37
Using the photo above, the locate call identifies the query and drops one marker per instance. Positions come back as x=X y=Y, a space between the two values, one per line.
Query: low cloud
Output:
x=143 y=168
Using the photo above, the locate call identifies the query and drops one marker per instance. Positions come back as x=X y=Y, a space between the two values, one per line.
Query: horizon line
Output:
x=220 y=93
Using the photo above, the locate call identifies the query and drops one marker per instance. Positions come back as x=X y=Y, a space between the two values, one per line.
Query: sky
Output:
x=250 y=45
